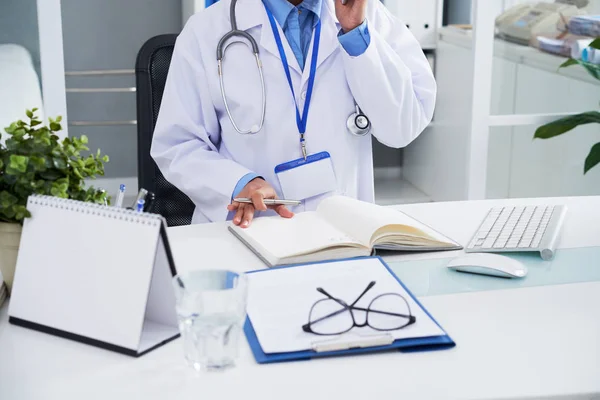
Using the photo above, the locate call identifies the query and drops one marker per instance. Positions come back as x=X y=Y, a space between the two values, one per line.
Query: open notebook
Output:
x=340 y=228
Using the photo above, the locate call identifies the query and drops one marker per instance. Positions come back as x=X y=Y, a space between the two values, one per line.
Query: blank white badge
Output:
x=302 y=179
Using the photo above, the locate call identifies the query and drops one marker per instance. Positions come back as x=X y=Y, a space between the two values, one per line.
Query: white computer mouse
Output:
x=489 y=264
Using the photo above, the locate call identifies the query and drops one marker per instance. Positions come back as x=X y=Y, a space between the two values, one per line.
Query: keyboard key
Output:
x=525 y=243
x=500 y=244
x=489 y=243
x=511 y=244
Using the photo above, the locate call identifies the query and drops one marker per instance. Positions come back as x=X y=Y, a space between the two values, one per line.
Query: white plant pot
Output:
x=10 y=237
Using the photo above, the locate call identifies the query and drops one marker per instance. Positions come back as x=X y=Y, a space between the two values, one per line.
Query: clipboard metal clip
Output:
x=359 y=342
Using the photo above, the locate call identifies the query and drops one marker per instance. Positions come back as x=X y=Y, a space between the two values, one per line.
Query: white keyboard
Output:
x=518 y=229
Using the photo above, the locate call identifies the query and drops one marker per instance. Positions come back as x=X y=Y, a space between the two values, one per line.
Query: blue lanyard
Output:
x=301 y=121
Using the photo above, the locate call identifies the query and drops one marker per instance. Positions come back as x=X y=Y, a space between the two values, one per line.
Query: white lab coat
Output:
x=197 y=149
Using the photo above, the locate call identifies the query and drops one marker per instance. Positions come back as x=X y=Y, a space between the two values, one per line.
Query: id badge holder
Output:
x=302 y=179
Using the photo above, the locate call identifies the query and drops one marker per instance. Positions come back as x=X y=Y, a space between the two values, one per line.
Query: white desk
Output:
x=535 y=342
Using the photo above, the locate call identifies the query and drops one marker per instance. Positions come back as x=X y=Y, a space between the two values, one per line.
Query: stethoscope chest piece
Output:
x=358 y=123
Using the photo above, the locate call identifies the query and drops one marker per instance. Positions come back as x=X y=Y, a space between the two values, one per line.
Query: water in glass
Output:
x=211 y=308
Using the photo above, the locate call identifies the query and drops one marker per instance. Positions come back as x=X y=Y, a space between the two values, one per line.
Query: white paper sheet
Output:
x=279 y=302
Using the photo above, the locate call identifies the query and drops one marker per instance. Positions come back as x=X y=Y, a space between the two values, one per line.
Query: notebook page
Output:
x=303 y=234
x=361 y=219
x=279 y=302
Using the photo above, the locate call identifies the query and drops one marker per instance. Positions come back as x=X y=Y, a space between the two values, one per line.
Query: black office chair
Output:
x=151 y=70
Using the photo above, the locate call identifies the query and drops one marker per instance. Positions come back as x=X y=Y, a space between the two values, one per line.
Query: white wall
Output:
x=52 y=60
x=190 y=7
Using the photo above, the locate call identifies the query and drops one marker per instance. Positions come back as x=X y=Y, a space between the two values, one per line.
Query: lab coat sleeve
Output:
x=187 y=135
x=392 y=80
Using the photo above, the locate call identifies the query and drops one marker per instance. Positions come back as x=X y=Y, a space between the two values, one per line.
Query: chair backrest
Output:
x=152 y=68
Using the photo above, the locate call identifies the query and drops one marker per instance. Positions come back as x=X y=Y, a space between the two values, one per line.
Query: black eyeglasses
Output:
x=332 y=316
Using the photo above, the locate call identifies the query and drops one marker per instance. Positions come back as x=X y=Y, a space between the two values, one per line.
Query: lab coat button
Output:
x=304 y=95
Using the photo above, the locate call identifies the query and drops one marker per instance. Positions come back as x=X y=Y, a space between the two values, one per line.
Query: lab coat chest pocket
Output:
x=241 y=80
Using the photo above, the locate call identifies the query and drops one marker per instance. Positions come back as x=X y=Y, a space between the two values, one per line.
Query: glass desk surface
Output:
x=432 y=277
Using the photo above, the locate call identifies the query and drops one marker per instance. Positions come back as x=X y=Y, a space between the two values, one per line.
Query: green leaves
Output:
x=592 y=69
x=59 y=188
x=566 y=124
x=34 y=161
x=54 y=124
x=7 y=199
x=59 y=163
x=17 y=164
x=592 y=159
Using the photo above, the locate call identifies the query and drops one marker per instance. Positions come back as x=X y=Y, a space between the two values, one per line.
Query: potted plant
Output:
x=569 y=123
x=34 y=161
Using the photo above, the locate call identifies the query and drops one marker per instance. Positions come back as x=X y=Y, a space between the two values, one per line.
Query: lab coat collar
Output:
x=330 y=27
x=251 y=14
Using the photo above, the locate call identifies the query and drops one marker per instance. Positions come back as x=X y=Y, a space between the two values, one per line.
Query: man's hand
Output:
x=257 y=190
x=352 y=14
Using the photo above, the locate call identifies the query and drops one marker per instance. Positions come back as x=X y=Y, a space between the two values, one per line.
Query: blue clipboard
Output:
x=403 y=345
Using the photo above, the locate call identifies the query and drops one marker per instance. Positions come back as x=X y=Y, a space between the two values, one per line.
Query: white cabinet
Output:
x=552 y=167
x=422 y=17
x=525 y=81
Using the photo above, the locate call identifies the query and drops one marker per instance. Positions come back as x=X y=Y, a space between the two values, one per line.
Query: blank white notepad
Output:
x=100 y=275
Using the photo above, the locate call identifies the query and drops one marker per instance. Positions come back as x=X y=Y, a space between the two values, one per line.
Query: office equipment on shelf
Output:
x=98 y=275
x=525 y=22
x=281 y=299
x=590 y=55
x=489 y=264
x=585 y=25
x=563 y=44
x=520 y=229
x=422 y=18
x=341 y=227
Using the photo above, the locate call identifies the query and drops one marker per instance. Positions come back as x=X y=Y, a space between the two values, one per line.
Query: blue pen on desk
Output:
x=120 y=196
x=140 y=205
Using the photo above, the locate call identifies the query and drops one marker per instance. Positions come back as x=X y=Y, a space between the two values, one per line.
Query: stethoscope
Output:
x=358 y=123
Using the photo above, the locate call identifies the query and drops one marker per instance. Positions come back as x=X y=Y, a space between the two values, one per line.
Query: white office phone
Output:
x=524 y=22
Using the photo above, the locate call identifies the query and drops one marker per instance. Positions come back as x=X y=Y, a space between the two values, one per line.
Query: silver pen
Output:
x=141 y=196
x=270 y=202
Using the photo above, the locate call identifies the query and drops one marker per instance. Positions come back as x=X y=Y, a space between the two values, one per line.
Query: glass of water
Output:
x=211 y=309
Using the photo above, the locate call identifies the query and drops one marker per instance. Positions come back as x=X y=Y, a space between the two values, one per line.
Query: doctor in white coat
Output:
x=320 y=59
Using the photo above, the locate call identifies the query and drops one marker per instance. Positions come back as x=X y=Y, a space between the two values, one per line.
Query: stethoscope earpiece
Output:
x=358 y=123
